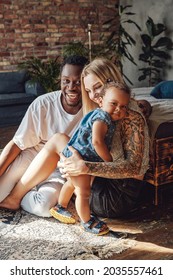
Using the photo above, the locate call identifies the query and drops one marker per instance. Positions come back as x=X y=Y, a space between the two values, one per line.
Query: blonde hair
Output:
x=104 y=69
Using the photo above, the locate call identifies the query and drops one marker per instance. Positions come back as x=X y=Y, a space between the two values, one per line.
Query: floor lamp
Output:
x=89 y=40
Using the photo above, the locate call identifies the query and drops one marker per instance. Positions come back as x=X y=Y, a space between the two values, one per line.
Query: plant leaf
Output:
x=161 y=54
x=146 y=39
x=159 y=28
x=150 y=27
x=132 y=22
x=163 y=42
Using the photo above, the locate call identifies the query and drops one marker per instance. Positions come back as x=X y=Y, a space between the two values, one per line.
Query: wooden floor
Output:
x=6 y=135
x=151 y=226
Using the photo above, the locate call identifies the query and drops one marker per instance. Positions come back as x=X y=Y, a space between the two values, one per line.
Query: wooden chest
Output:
x=161 y=164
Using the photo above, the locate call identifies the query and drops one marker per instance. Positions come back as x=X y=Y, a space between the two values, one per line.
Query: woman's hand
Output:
x=72 y=166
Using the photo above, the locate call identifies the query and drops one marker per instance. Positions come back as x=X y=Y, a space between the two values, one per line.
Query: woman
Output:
x=130 y=151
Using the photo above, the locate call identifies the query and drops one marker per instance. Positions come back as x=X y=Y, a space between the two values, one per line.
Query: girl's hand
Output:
x=72 y=166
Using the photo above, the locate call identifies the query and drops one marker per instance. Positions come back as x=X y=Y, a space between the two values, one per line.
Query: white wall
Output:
x=161 y=12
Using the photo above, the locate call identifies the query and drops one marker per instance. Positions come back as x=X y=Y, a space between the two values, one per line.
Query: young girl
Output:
x=93 y=141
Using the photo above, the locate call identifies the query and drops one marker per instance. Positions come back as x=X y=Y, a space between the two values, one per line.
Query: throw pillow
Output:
x=13 y=82
x=163 y=90
x=34 y=88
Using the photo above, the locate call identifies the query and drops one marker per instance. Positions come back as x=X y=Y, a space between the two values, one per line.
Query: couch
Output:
x=16 y=94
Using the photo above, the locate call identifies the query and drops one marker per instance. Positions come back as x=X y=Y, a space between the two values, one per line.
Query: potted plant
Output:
x=46 y=73
x=155 y=52
x=119 y=40
x=74 y=48
x=79 y=48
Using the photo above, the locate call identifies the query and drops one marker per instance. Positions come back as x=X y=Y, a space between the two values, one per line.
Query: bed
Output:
x=160 y=170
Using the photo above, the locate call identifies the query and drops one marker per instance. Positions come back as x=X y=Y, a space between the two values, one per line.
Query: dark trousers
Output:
x=114 y=198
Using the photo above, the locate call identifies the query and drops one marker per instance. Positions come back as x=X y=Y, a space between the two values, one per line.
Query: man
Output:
x=58 y=111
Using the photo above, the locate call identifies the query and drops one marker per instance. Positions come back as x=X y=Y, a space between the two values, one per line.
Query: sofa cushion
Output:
x=13 y=82
x=16 y=98
x=12 y=115
x=163 y=90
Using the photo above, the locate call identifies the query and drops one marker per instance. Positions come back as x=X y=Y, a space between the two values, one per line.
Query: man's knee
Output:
x=36 y=203
x=40 y=200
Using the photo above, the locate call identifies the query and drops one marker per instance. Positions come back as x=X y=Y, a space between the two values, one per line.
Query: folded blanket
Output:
x=162 y=109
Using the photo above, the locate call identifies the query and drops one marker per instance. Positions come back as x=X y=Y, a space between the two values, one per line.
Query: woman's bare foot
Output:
x=10 y=203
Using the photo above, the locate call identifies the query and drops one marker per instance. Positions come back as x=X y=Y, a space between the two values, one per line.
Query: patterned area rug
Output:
x=25 y=236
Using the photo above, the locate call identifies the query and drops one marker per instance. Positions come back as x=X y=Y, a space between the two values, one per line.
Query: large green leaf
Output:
x=159 y=28
x=150 y=27
x=146 y=70
x=142 y=77
x=158 y=63
x=144 y=57
x=161 y=54
x=146 y=39
x=163 y=42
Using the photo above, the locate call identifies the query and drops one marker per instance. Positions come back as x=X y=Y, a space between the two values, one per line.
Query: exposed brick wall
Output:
x=41 y=28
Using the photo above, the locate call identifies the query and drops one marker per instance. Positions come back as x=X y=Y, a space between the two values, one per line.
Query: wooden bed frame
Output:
x=160 y=170
x=161 y=164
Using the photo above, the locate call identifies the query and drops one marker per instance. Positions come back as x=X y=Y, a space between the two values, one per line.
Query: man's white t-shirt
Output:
x=45 y=117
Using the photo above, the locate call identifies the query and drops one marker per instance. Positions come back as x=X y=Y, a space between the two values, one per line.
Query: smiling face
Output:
x=71 y=88
x=93 y=87
x=115 y=103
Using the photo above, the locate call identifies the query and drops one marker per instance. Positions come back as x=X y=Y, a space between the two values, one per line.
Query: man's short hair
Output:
x=74 y=60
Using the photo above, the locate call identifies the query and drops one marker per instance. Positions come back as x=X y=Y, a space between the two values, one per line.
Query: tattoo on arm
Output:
x=132 y=135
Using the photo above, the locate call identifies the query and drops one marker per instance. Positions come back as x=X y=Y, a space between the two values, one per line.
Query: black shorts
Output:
x=114 y=198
